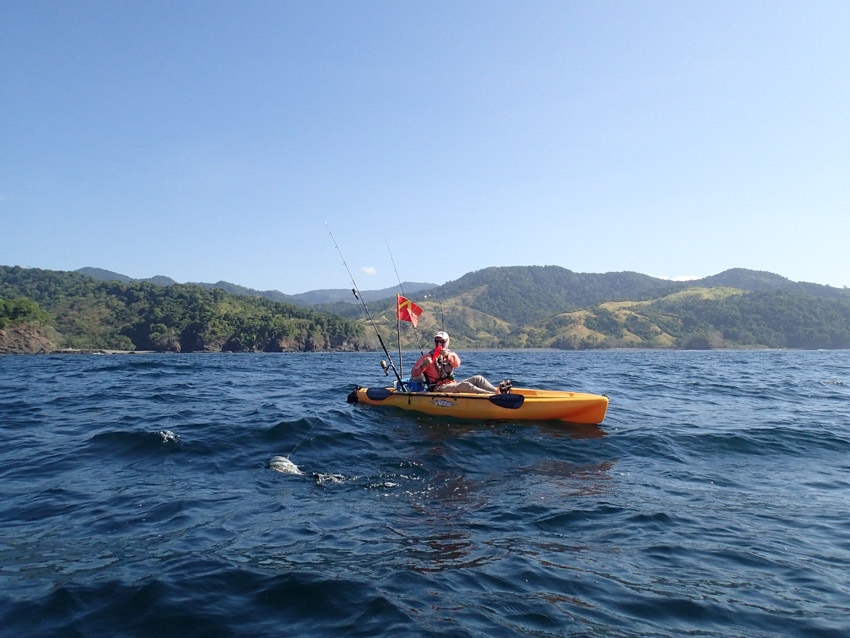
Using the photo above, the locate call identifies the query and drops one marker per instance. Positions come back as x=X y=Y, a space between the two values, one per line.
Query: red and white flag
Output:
x=406 y=310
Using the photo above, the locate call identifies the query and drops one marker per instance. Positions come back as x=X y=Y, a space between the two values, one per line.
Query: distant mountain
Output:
x=310 y=298
x=333 y=295
x=273 y=295
x=107 y=275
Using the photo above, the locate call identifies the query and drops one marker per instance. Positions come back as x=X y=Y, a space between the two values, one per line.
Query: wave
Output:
x=134 y=443
x=779 y=441
x=221 y=602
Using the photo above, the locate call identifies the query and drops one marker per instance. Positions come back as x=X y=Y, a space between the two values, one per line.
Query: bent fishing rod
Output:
x=357 y=296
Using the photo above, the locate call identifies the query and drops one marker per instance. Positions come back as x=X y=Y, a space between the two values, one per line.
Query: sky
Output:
x=209 y=141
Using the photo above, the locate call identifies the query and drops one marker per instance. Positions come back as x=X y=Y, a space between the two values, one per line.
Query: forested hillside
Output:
x=86 y=313
x=516 y=307
x=520 y=294
x=551 y=307
x=700 y=318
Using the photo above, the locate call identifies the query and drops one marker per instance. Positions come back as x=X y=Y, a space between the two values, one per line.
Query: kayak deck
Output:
x=519 y=404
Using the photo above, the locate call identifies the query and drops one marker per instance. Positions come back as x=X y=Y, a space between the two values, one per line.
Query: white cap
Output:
x=442 y=335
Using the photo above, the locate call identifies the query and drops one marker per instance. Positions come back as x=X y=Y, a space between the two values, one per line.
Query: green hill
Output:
x=86 y=313
x=552 y=307
x=757 y=280
x=520 y=294
x=338 y=295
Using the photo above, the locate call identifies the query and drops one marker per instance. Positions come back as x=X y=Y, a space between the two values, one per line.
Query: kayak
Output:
x=519 y=404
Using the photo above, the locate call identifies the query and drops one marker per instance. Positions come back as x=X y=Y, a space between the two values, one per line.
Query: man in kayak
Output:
x=437 y=370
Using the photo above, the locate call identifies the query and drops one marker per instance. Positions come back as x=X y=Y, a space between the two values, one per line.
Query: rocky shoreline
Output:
x=25 y=340
x=28 y=339
x=98 y=351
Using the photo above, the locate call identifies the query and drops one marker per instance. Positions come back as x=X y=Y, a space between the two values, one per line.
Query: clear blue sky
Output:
x=211 y=140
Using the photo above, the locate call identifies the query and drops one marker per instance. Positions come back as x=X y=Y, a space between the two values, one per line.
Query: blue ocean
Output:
x=138 y=499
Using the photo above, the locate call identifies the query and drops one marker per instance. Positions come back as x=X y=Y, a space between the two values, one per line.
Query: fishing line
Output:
x=357 y=296
x=301 y=440
x=442 y=318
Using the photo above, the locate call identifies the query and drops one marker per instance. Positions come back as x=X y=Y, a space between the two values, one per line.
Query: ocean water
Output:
x=137 y=499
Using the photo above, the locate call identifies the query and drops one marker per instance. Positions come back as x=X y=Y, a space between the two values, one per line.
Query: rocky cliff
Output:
x=25 y=340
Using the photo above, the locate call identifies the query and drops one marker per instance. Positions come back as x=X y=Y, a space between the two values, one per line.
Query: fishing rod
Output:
x=357 y=296
x=398 y=320
x=397 y=315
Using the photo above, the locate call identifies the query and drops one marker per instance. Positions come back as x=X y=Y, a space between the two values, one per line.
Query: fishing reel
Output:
x=385 y=368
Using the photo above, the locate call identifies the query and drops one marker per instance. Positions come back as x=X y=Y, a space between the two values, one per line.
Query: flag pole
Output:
x=398 y=331
x=400 y=287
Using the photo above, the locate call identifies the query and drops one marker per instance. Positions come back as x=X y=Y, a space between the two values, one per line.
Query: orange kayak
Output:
x=519 y=404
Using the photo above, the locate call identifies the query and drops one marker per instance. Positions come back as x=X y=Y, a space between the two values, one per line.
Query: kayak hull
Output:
x=521 y=404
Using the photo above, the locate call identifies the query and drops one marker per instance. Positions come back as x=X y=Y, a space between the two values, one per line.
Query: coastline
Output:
x=98 y=351
x=107 y=351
